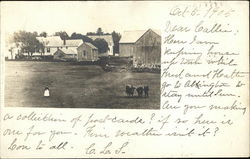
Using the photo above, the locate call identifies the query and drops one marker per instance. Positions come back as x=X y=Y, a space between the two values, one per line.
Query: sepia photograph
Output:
x=124 y=79
x=99 y=60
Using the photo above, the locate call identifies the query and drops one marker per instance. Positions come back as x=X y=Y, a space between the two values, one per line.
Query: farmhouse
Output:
x=87 y=52
x=108 y=39
x=64 y=54
x=51 y=43
x=143 y=46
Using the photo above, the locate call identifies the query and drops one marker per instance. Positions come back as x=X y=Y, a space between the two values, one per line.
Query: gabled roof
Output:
x=68 y=51
x=107 y=38
x=91 y=45
x=53 y=41
x=157 y=31
x=133 y=36
x=73 y=42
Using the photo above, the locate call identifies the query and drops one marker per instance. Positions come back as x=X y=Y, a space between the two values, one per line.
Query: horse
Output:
x=139 y=91
x=146 y=90
x=130 y=90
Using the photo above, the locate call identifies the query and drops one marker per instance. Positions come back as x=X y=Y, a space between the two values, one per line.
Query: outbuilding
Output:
x=65 y=55
x=87 y=52
x=143 y=46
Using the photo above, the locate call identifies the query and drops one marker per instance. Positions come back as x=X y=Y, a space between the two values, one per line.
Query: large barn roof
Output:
x=134 y=35
x=107 y=38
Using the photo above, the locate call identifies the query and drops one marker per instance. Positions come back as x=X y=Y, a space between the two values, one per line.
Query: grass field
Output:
x=75 y=86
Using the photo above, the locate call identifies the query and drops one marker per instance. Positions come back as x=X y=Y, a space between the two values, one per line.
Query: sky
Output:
x=81 y=17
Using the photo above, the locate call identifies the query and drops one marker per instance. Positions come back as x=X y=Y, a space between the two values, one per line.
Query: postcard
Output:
x=124 y=79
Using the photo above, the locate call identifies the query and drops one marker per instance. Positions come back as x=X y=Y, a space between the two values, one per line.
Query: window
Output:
x=66 y=47
x=48 y=49
x=84 y=53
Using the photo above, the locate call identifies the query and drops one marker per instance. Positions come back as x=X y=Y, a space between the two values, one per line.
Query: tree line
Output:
x=28 y=42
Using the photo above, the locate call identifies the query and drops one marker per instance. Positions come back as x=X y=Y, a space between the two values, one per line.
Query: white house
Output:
x=53 y=43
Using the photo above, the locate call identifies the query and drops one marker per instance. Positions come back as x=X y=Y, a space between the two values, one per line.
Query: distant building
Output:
x=51 y=43
x=14 y=50
x=72 y=44
x=64 y=54
x=108 y=39
x=143 y=46
x=87 y=52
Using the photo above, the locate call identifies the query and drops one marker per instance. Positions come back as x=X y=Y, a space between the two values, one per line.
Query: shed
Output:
x=65 y=54
x=87 y=52
x=143 y=46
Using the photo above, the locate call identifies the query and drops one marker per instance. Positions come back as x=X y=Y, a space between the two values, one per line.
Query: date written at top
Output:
x=205 y=10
